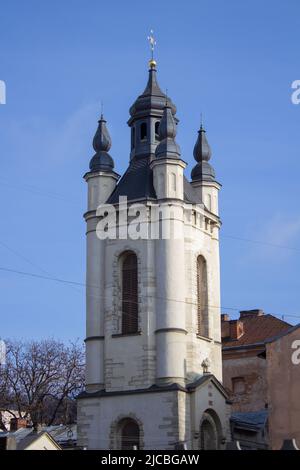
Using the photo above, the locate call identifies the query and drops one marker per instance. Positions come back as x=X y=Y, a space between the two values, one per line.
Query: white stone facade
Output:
x=154 y=377
x=166 y=418
x=166 y=349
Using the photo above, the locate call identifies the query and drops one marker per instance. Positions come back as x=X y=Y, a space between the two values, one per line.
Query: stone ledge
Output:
x=122 y=335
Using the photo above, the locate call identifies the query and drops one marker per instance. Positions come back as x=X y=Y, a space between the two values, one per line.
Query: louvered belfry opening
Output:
x=129 y=293
x=202 y=297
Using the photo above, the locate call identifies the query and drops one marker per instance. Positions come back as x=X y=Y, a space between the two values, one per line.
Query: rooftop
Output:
x=253 y=327
x=253 y=420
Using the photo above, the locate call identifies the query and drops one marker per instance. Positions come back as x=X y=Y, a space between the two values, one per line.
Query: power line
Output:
x=40 y=191
x=260 y=242
x=29 y=261
x=82 y=284
x=72 y=283
x=24 y=258
x=48 y=278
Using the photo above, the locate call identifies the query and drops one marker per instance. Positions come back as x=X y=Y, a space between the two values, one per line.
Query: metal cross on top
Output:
x=152 y=42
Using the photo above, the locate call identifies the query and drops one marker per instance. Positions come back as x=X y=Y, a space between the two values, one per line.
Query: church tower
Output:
x=153 y=342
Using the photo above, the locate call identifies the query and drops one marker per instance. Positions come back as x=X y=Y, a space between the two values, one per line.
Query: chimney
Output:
x=225 y=317
x=225 y=329
x=17 y=423
x=251 y=313
x=236 y=329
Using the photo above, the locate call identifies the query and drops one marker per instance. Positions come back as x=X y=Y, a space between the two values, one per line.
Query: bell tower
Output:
x=153 y=342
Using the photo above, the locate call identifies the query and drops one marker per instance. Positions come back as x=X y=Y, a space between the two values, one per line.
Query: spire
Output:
x=152 y=99
x=167 y=148
x=146 y=113
x=202 y=153
x=202 y=150
x=102 y=161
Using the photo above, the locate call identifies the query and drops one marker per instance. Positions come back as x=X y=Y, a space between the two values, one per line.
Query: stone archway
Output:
x=129 y=434
x=210 y=431
x=126 y=433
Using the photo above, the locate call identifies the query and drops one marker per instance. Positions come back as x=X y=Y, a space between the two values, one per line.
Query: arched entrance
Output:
x=129 y=433
x=210 y=431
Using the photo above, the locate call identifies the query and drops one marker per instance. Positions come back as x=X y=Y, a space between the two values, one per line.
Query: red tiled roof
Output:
x=257 y=329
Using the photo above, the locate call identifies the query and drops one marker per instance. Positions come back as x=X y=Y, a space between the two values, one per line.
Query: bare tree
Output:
x=41 y=379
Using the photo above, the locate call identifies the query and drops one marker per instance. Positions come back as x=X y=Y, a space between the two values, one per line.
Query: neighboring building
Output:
x=64 y=435
x=244 y=362
x=153 y=346
x=9 y=422
x=27 y=439
x=260 y=376
x=250 y=429
x=38 y=441
x=283 y=378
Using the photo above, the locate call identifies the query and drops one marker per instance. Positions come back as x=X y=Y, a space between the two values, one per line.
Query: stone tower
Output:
x=153 y=345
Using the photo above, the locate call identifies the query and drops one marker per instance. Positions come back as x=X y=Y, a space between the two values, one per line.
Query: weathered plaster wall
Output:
x=253 y=369
x=283 y=389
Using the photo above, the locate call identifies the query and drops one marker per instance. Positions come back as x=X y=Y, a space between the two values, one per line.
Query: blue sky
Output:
x=233 y=61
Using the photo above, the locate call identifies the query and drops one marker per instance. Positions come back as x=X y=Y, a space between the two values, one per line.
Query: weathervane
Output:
x=152 y=42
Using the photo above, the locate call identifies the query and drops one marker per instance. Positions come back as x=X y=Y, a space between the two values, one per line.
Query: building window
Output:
x=238 y=385
x=173 y=181
x=157 y=130
x=143 y=131
x=129 y=293
x=132 y=138
x=202 y=297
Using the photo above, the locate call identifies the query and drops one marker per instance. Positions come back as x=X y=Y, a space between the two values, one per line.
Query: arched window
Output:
x=132 y=138
x=202 y=297
x=129 y=293
x=130 y=434
x=156 y=130
x=143 y=131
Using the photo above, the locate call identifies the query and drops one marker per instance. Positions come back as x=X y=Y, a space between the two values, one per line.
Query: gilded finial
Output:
x=152 y=41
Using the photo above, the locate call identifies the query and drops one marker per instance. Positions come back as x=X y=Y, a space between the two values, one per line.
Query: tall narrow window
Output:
x=173 y=181
x=129 y=293
x=132 y=138
x=143 y=131
x=202 y=297
x=156 y=130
